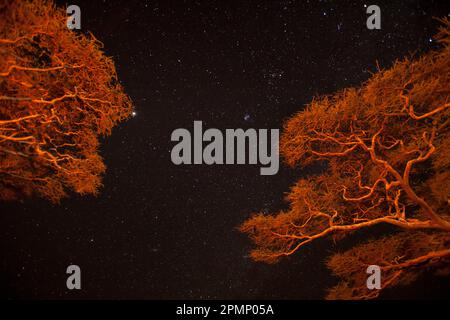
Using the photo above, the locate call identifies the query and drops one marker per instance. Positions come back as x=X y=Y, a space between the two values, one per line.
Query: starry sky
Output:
x=161 y=231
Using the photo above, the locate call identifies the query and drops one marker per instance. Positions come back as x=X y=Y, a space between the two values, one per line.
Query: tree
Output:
x=384 y=153
x=58 y=94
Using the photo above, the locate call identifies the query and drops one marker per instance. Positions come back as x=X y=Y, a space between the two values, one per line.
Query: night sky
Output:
x=161 y=231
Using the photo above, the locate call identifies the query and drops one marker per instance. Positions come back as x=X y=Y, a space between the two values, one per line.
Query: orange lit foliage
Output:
x=386 y=146
x=58 y=93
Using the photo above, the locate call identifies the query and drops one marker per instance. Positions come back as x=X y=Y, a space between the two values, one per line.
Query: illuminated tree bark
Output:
x=58 y=93
x=384 y=148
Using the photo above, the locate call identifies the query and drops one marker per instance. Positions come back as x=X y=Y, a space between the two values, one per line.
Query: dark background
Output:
x=163 y=231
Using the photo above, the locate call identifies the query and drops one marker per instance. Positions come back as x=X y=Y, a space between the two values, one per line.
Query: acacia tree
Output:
x=58 y=93
x=385 y=152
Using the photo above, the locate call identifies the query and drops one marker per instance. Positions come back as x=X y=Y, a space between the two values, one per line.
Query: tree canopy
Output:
x=58 y=93
x=384 y=149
